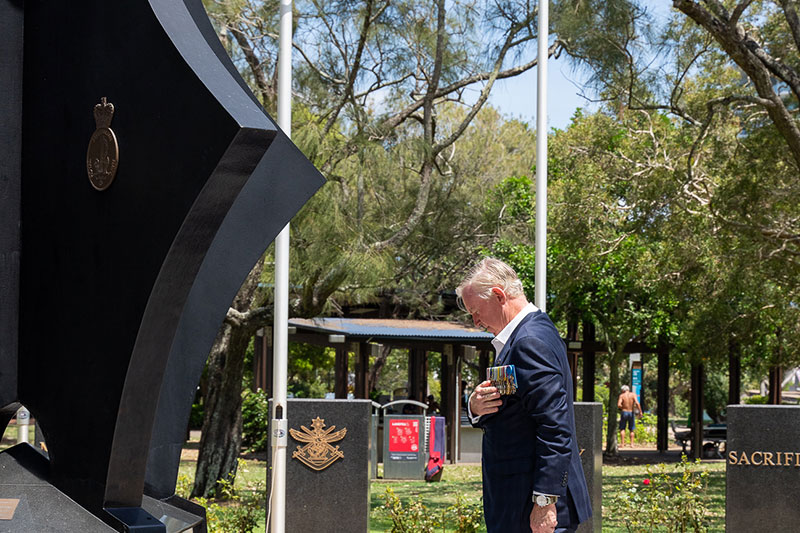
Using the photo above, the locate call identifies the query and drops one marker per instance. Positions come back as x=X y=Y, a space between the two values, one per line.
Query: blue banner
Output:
x=636 y=380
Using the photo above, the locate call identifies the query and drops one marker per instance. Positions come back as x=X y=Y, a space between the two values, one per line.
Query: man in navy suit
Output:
x=532 y=475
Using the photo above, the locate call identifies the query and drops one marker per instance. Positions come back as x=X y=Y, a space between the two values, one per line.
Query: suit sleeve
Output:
x=545 y=400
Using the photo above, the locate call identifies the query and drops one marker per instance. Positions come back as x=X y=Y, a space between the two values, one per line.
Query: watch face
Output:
x=541 y=500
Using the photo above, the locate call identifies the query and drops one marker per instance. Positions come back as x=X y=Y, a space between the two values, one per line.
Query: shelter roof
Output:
x=378 y=328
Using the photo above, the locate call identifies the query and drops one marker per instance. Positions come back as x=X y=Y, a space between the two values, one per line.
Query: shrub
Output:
x=236 y=510
x=415 y=517
x=756 y=400
x=646 y=428
x=664 y=501
x=255 y=416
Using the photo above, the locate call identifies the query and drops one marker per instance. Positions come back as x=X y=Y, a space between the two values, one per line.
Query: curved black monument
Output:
x=124 y=237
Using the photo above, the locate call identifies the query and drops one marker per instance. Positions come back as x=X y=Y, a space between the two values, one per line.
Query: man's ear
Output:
x=500 y=294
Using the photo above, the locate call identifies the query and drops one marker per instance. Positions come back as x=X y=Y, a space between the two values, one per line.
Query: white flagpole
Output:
x=281 y=334
x=541 y=159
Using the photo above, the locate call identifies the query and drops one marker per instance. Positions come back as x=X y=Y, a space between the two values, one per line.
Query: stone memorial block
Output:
x=328 y=465
x=763 y=468
x=140 y=181
x=589 y=429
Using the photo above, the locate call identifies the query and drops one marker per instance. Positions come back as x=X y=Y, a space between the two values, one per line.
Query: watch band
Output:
x=543 y=500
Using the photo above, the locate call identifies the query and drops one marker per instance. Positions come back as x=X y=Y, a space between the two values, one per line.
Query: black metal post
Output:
x=588 y=361
x=696 y=393
x=662 y=399
x=734 y=374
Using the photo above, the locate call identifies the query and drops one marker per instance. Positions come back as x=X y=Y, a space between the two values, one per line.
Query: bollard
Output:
x=23 y=421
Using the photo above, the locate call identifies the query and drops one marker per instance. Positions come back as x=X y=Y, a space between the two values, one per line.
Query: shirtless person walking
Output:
x=626 y=402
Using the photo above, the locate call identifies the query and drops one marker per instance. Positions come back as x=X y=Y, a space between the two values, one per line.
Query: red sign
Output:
x=404 y=436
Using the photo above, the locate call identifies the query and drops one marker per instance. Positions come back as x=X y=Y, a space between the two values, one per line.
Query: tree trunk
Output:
x=221 y=438
x=613 y=392
x=377 y=367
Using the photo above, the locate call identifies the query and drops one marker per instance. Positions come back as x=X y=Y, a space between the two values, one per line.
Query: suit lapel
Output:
x=501 y=358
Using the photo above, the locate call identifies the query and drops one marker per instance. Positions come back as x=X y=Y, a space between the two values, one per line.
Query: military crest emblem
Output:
x=102 y=156
x=318 y=453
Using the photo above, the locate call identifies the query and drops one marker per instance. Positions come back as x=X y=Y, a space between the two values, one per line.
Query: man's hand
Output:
x=484 y=399
x=544 y=519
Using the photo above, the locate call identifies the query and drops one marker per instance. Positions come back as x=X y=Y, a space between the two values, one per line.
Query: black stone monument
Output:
x=589 y=430
x=328 y=465
x=125 y=233
x=763 y=468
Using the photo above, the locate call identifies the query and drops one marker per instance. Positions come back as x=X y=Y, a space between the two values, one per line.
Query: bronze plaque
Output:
x=7 y=508
x=102 y=157
x=318 y=452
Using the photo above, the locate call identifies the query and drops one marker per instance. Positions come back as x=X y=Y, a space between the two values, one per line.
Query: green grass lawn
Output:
x=466 y=480
x=613 y=477
x=463 y=480
x=456 y=479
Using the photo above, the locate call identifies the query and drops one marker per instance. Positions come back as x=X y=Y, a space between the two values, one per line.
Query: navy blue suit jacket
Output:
x=529 y=444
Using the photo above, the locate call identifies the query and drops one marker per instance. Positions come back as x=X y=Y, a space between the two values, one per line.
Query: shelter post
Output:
x=696 y=393
x=451 y=396
x=483 y=364
x=340 y=372
x=417 y=374
x=362 y=351
x=572 y=337
x=588 y=361
x=662 y=398
x=734 y=373
x=775 y=380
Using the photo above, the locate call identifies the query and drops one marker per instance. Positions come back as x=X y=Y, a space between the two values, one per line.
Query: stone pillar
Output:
x=328 y=492
x=589 y=430
x=763 y=468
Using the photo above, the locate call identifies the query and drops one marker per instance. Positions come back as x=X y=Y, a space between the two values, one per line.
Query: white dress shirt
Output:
x=501 y=339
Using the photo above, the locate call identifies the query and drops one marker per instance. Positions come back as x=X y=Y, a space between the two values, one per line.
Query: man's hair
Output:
x=625 y=388
x=491 y=273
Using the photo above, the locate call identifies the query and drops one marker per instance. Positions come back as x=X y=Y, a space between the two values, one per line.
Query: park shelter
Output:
x=458 y=343
x=360 y=337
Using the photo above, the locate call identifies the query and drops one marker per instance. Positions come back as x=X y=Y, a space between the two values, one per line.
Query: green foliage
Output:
x=645 y=431
x=756 y=400
x=236 y=510
x=309 y=370
x=664 y=501
x=196 y=416
x=255 y=417
x=414 y=517
x=716 y=394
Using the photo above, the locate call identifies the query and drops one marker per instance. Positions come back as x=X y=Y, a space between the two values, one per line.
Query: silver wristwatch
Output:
x=543 y=501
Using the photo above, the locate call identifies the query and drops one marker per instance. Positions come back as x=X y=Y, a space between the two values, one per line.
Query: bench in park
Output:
x=714 y=438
